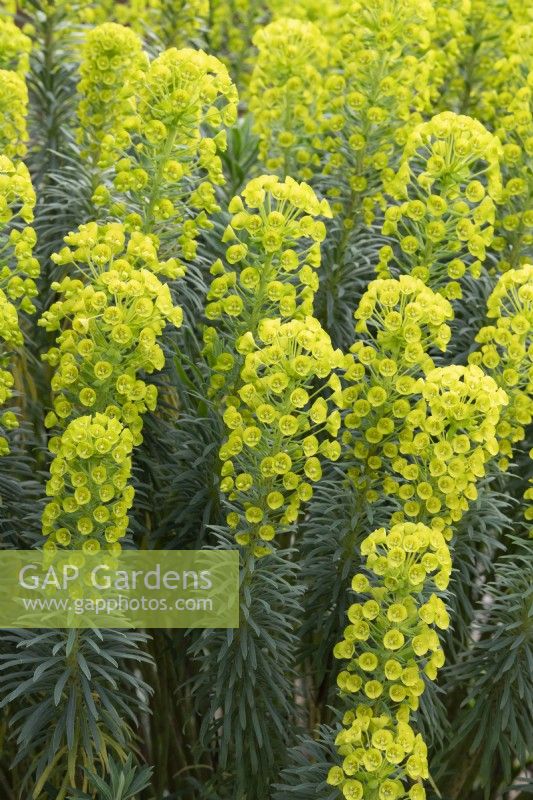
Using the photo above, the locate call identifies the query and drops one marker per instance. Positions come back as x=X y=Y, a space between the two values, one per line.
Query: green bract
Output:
x=278 y=433
x=272 y=256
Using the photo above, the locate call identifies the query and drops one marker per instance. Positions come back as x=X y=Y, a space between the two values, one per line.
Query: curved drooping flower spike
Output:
x=444 y=196
x=109 y=317
x=391 y=641
x=116 y=310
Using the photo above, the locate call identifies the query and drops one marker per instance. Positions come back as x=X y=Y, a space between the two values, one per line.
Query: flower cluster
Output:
x=391 y=647
x=377 y=89
x=272 y=256
x=287 y=95
x=173 y=24
x=15 y=48
x=448 y=41
x=13 y=112
x=280 y=426
x=89 y=485
x=325 y=15
x=109 y=319
x=19 y=267
x=399 y=323
x=167 y=178
x=447 y=438
x=487 y=28
x=111 y=70
x=18 y=270
x=232 y=25
x=506 y=106
x=506 y=353
x=114 y=321
x=443 y=206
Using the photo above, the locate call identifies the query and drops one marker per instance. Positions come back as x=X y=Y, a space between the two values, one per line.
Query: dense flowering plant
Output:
x=447 y=183
x=13 y=113
x=448 y=37
x=507 y=107
x=111 y=71
x=392 y=640
x=287 y=95
x=230 y=32
x=18 y=271
x=15 y=48
x=281 y=256
x=166 y=182
x=377 y=92
x=115 y=318
x=280 y=428
x=273 y=253
x=505 y=352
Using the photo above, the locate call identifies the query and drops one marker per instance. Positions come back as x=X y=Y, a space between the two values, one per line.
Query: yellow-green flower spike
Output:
x=399 y=324
x=391 y=645
x=377 y=91
x=447 y=43
x=18 y=271
x=506 y=353
x=13 y=113
x=390 y=648
x=88 y=485
x=447 y=438
x=15 y=48
x=444 y=192
x=280 y=427
x=487 y=27
x=506 y=107
x=272 y=256
x=232 y=24
x=116 y=310
x=111 y=71
x=287 y=96
x=166 y=179
x=18 y=268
